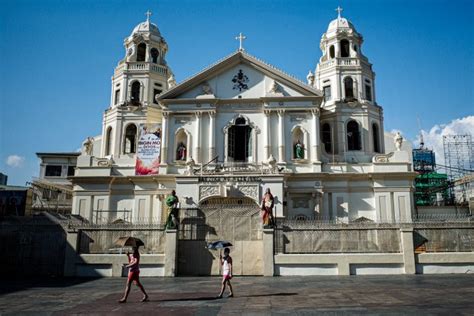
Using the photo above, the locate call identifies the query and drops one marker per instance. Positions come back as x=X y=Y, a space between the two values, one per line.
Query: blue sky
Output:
x=57 y=58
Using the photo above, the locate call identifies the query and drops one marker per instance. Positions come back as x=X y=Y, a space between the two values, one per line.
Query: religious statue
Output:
x=190 y=166
x=398 y=139
x=87 y=146
x=172 y=204
x=181 y=152
x=267 y=209
x=171 y=81
x=310 y=78
x=272 y=163
x=275 y=88
x=299 y=150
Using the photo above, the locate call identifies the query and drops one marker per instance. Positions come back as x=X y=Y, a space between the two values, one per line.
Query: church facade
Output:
x=239 y=127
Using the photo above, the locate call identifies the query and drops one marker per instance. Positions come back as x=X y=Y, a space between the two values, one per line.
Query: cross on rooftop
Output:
x=241 y=38
x=339 y=10
x=148 y=14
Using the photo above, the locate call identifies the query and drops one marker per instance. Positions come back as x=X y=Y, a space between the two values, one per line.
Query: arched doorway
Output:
x=220 y=218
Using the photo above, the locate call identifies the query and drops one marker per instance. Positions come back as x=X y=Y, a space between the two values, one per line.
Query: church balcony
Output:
x=138 y=67
x=340 y=62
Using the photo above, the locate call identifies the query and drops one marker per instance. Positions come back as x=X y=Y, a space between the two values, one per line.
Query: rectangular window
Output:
x=70 y=170
x=53 y=171
x=327 y=93
x=117 y=96
x=368 y=93
x=156 y=92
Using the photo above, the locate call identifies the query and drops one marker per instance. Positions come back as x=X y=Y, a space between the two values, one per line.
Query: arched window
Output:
x=130 y=139
x=375 y=137
x=154 y=55
x=349 y=88
x=239 y=141
x=332 y=51
x=135 y=92
x=353 y=136
x=141 y=52
x=345 y=46
x=326 y=137
x=108 y=140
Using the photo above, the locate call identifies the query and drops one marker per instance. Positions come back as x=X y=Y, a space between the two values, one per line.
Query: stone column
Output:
x=267 y=138
x=197 y=136
x=268 y=258
x=315 y=148
x=281 y=136
x=164 y=139
x=406 y=236
x=212 y=140
x=171 y=250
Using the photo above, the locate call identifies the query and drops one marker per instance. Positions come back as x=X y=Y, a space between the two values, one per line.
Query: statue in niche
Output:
x=398 y=139
x=267 y=209
x=299 y=150
x=88 y=146
x=181 y=151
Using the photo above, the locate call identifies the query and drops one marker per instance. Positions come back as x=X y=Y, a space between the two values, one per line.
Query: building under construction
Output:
x=431 y=188
x=459 y=164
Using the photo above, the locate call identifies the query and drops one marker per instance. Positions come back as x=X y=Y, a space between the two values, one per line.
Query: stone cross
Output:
x=148 y=14
x=241 y=38
x=339 y=10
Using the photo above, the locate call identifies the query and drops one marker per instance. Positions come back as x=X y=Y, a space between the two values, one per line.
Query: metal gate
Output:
x=231 y=219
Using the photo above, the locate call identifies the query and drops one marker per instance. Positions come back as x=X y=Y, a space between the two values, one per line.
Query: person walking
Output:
x=226 y=263
x=133 y=275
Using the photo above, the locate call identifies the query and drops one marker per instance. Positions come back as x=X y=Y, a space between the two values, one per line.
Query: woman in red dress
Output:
x=133 y=275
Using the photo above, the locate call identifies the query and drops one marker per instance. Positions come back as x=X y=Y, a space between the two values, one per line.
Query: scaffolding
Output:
x=459 y=161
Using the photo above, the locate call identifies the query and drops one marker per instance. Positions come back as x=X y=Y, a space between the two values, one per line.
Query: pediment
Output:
x=240 y=76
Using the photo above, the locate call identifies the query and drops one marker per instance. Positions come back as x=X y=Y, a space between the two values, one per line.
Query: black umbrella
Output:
x=129 y=241
x=218 y=244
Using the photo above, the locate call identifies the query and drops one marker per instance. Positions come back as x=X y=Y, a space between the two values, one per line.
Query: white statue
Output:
x=88 y=146
x=398 y=139
x=275 y=88
x=310 y=78
x=190 y=166
x=272 y=163
x=171 y=81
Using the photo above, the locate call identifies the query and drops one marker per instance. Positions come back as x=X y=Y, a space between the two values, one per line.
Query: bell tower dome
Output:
x=343 y=72
x=143 y=73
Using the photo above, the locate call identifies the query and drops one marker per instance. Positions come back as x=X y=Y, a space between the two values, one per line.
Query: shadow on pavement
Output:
x=14 y=284
x=209 y=298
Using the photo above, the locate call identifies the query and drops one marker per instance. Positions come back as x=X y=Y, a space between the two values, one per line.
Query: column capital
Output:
x=280 y=112
x=212 y=114
x=198 y=114
x=315 y=112
x=267 y=112
x=166 y=114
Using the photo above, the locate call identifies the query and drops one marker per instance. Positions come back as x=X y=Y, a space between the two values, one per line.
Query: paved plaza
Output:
x=330 y=295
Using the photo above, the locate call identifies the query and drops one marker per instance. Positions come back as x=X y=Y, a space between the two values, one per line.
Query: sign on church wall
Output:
x=148 y=149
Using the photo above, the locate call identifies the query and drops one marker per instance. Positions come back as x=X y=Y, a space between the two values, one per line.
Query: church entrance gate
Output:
x=236 y=220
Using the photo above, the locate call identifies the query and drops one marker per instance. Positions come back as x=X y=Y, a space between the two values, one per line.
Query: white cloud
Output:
x=434 y=137
x=15 y=161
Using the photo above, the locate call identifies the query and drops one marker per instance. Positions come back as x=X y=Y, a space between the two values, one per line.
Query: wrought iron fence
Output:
x=101 y=240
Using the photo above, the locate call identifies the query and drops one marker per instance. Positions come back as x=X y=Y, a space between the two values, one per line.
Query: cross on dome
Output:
x=339 y=10
x=241 y=38
x=148 y=14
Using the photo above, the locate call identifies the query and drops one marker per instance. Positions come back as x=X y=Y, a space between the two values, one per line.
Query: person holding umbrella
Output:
x=133 y=269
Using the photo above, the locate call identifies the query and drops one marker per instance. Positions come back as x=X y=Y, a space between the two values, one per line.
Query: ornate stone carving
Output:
x=206 y=191
x=310 y=78
x=171 y=81
x=249 y=190
x=382 y=157
x=206 y=88
x=105 y=162
x=275 y=88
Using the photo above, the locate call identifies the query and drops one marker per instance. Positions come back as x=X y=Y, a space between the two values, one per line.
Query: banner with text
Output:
x=148 y=149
